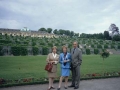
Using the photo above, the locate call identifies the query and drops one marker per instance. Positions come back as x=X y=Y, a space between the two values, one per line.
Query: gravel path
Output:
x=95 y=84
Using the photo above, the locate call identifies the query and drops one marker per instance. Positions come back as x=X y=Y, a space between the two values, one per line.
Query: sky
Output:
x=80 y=16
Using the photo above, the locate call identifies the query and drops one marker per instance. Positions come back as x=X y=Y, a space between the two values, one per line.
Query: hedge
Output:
x=118 y=46
x=99 y=46
x=112 y=46
x=1 y=52
x=45 y=51
x=96 y=51
x=88 y=51
x=105 y=46
x=19 y=50
x=35 y=50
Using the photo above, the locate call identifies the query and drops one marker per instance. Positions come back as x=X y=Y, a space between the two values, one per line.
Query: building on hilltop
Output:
x=31 y=33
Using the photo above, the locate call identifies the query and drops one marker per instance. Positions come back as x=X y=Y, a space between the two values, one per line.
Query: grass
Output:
x=18 y=67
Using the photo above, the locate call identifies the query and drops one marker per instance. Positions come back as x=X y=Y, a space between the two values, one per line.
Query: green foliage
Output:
x=112 y=46
x=92 y=46
x=45 y=50
x=99 y=46
x=96 y=51
x=35 y=50
x=104 y=54
x=1 y=52
x=116 y=38
x=5 y=41
x=118 y=46
x=23 y=51
x=105 y=46
x=88 y=51
x=106 y=35
x=18 y=50
x=42 y=29
x=49 y=30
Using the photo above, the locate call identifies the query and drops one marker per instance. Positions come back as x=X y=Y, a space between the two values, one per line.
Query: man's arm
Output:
x=80 y=56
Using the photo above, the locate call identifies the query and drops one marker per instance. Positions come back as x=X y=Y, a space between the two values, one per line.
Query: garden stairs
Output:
x=113 y=51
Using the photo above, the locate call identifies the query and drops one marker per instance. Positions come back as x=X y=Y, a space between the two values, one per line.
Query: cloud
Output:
x=88 y=16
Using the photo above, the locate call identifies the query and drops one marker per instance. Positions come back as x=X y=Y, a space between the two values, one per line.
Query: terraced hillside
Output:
x=18 y=45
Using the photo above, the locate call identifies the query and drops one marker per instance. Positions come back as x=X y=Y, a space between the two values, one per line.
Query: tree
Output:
x=49 y=30
x=71 y=33
x=106 y=35
x=42 y=29
x=104 y=54
x=116 y=38
x=55 y=31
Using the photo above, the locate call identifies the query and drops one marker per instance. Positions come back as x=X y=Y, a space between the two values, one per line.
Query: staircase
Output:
x=113 y=51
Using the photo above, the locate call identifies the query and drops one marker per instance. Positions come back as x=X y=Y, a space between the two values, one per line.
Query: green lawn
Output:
x=17 y=67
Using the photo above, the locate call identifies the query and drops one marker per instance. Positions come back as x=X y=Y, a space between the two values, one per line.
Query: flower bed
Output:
x=29 y=81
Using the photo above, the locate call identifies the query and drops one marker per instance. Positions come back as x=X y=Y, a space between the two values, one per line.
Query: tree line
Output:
x=59 y=32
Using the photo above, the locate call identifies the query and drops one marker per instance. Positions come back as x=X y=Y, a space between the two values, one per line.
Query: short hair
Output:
x=54 y=47
x=76 y=42
x=64 y=46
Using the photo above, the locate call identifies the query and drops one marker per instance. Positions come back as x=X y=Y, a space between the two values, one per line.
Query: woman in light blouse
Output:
x=52 y=58
x=65 y=60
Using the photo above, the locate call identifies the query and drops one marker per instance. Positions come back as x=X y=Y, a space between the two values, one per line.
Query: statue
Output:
x=113 y=30
x=25 y=29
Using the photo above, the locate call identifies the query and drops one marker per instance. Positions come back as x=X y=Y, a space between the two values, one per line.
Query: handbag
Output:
x=49 y=67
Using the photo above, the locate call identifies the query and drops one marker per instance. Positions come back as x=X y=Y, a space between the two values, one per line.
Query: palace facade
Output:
x=31 y=33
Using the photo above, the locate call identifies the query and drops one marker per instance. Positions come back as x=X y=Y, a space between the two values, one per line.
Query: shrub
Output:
x=1 y=52
x=88 y=51
x=45 y=50
x=112 y=46
x=15 y=50
x=92 y=46
x=105 y=46
x=99 y=46
x=19 y=50
x=104 y=54
x=118 y=46
x=116 y=38
x=96 y=51
x=23 y=51
x=35 y=50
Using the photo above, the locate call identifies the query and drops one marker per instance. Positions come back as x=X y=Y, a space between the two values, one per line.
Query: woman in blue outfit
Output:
x=65 y=59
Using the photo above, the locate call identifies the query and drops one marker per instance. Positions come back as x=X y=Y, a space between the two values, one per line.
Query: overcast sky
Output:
x=81 y=16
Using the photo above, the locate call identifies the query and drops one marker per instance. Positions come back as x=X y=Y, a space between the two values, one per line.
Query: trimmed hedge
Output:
x=18 y=50
x=105 y=46
x=45 y=51
x=1 y=52
x=99 y=46
x=96 y=51
x=119 y=47
x=88 y=51
x=35 y=50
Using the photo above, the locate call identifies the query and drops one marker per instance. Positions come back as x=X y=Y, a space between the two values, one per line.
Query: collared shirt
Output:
x=74 y=50
x=54 y=55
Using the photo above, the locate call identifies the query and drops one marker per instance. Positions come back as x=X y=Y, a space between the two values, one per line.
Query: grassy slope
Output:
x=33 y=66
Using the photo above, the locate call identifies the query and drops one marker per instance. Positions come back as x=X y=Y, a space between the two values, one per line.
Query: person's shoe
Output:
x=76 y=87
x=58 y=89
x=71 y=86
x=49 y=88
x=65 y=87
x=52 y=88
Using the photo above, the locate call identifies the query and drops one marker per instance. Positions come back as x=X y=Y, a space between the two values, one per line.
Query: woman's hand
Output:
x=65 y=61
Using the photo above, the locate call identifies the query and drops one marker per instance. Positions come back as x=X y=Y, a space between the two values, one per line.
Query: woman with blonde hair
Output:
x=65 y=59
x=52 y=58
